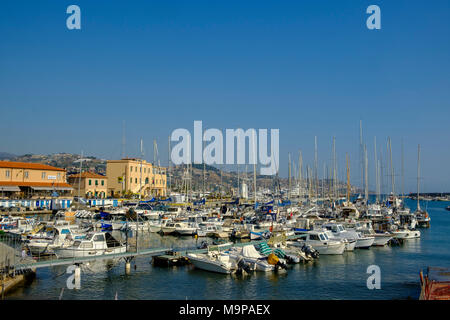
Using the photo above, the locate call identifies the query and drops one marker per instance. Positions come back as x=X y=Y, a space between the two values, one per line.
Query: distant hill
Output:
x=215 y=179
x=7 y=156
x=67 y=161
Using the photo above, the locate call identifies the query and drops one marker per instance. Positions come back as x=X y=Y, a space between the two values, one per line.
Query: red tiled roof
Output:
x=34 y=184
x=28 y=165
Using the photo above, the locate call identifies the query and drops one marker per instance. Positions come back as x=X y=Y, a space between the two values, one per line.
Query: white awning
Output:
x=9 y=188
x=52 y=188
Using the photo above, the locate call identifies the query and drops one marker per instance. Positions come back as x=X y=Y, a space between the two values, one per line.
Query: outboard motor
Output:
x=310 y=251
x=203 y=245
x=243 y=266
x=281 y=265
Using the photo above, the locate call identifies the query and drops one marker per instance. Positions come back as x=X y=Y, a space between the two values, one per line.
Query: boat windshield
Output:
x=323 y=236
x=340 y=228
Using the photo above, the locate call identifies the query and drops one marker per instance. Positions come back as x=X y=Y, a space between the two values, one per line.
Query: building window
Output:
x=26 y=174
x=131 y=180
x=146 y=180
x=7 y=173
x=135 y=180
x=103 y=182
x=135 y=169
x=131 y=169
x=145 y=170
x=96 y=182
x=59 y=176
x=90 y=181
x=43 y=175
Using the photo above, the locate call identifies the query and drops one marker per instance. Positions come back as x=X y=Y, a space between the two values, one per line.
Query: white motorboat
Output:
x=320 y=242
x=366 y=229
x=252 y=257
x=20 y=226
x=208 y=229
x=168 y=228
x=154 y=226
x=212 y=261
x=362 y=241
x=337 y=232
x=58 y=236
x=404 y=234
x=185 y=228
x=95 y=244
x=350 y=243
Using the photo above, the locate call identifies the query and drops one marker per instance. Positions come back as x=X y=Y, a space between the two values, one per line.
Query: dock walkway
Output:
x=43 y=263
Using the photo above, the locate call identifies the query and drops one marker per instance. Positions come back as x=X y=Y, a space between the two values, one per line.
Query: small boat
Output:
x=252 y=257
x=350 y=243
x=336 y=231
x=57 y=237
x=168 y=228
x=404 y=234
x=185 y=228
x=447 y=208
x=240 y=234
x=320 y=242
x=364 y=242
x=435 y=285
x=95 y=244
x=212 y=261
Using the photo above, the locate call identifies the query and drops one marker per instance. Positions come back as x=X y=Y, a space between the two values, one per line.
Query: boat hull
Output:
x=79 y=253
x=207 y=265
x=364 y=243
x=404 y=235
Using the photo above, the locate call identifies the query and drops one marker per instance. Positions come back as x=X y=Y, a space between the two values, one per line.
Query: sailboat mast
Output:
x=366 y=176
x=392 y=167
x=289 y=188
x=376 y=170
x=403 y=175
x=169 y=170
x=334 y=168
x=204 y=172
x=361 y=153
x=300 y=172
x=348 y=181
x=254 y=181
x=418 y=176
x=140 y=176
x=79 y=179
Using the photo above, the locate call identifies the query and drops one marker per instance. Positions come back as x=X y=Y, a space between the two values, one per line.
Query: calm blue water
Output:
x=331 y=277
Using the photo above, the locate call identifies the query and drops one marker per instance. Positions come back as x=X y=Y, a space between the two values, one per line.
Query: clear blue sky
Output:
x=306 y=67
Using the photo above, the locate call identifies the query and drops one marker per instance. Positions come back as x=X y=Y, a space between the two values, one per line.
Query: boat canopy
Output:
x=250 y=252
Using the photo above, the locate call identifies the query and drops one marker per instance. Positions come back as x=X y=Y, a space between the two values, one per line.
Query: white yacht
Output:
x=362 y=241
x=186 y=228
x=337 y=232
x=252 y=257
x=168 y=228
x=320 y=242
x=366 y=228
x=404 y=234
x=57 y=237
x=212 y=261
x=95 y=244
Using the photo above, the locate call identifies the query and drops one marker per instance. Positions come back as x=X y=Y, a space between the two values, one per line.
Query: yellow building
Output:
x=23 y=179
x=91 y=185
x=131 y=175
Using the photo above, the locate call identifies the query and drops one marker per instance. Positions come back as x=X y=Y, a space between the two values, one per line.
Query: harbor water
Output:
x=330 y=277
